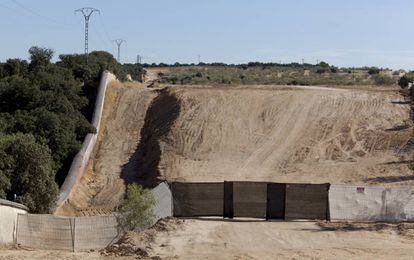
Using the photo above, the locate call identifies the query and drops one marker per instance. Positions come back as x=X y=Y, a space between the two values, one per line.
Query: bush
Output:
x=406 y=79
x=135 y=70
x=136 y=209
x=373 y=71
x=381 y=79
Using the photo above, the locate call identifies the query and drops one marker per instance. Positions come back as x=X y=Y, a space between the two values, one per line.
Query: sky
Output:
x=343 y=33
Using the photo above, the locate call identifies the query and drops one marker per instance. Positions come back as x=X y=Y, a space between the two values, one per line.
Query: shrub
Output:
x=136 y=209
x=373 y=71
x=406 y=79
x=381 y=79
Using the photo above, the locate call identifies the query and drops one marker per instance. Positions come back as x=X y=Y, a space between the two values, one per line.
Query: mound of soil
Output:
x=139 y=243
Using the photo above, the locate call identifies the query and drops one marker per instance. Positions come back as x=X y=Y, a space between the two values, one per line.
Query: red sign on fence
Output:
x=360 y=189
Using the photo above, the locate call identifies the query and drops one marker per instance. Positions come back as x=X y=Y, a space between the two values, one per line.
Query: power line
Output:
x=87 y=12
x=34 y=13
x=119 y=43
x=102 y=39
x=104 y=29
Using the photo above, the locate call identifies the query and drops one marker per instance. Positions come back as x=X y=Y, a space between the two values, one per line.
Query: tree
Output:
x=26 y=170
x=15 y=67
x=39 y=57
x=406 y=79
x=136 y=209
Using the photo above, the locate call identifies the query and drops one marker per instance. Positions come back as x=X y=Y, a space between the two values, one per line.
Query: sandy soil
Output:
x=282 y=134
x=250 y=239
x=206 y=239
x=308 y=134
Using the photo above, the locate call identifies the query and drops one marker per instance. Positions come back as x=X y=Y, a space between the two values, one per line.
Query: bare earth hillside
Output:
x=281 y=134
x=272 y=133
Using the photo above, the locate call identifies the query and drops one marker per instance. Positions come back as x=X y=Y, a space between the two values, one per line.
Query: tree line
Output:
x=45 y=112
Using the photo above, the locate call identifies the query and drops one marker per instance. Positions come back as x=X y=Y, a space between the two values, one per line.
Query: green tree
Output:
x=406 y=79
x=26 y=170
x=39 y=57
x=15 y=67
x=136 y=209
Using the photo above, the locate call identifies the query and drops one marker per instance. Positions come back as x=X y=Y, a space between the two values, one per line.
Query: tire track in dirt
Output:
x=279 y=134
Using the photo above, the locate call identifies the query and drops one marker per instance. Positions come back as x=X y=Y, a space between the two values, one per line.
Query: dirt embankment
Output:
x=282 y=134
x=103 y=186
x=287 y=135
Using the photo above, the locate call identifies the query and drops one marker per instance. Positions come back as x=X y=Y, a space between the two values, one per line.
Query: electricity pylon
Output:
x=87 y=12
x=118 y=43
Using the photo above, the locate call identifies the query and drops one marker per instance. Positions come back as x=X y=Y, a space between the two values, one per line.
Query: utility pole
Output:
x=118 y=43
x=87 y=12
x=139 y=59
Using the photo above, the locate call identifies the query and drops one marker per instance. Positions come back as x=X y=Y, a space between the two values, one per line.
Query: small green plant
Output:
x=136 y=209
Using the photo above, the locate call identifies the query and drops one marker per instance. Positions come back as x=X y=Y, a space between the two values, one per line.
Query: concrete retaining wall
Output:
x=81 y=159
x=8 y=220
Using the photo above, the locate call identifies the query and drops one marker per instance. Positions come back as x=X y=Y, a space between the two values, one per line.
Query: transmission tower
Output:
x=118 y=43
x=139 y=59
x=87 y=12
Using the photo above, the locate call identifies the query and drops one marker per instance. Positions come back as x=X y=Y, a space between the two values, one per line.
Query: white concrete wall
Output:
x=8 y=221
x=81 y=159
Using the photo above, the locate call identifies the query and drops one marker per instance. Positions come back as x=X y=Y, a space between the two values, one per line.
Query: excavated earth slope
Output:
x=282 y=134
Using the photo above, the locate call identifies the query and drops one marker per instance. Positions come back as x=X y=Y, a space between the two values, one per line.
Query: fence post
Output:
x=15 y=231
x=328 y=212
x=228 y=209
x=72 y=232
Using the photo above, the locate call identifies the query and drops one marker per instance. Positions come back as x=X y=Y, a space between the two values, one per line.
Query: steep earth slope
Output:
x=283 y=134
x=103 y=186
x=286 y=135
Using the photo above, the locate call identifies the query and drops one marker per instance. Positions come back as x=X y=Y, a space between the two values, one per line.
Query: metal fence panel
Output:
x=94 y=232
x=371 y=203
x=45 y=232
x=306 y=201
x=276 y=193
x=400 y=204
x=357 y=202
x=250 y=199
x=163 y=201
x=197 y=199
x=228 y=211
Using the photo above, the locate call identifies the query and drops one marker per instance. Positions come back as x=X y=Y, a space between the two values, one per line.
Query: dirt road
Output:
x=206 y=239
x=249 y=239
